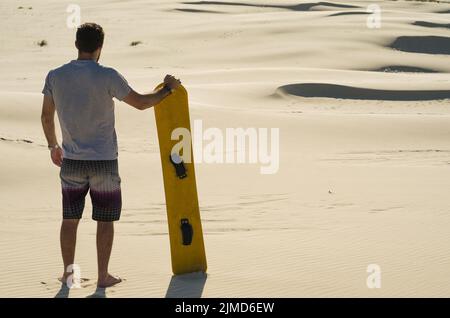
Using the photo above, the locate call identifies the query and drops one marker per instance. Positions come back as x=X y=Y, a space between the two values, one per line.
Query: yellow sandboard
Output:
x=183 y=214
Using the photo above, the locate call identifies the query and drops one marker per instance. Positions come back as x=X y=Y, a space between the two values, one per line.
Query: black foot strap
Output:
x=186 y=231
x=177 y=162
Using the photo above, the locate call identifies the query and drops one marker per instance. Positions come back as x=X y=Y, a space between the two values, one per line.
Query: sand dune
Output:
x=348 y=92
x=422 y=44
x=297 y=7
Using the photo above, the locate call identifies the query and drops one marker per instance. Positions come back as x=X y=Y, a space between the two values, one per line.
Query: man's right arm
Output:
x=144 y=101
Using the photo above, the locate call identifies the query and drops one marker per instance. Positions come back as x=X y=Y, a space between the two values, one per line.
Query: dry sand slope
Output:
x=364 y=147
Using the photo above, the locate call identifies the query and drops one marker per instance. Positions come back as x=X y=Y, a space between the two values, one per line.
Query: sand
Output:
x=364 y=125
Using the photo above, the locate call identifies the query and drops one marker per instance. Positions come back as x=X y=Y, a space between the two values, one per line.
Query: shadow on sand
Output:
x=295 y=7
x=186 y=286
x=432 y=25
x=99 y=293
x=63 y=291
x=402 y=69
x=350 y=92
x=422 y=44
x=197 y=11
x=349 y=13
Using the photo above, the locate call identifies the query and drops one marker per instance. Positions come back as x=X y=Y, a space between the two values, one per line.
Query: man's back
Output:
x=83 y=93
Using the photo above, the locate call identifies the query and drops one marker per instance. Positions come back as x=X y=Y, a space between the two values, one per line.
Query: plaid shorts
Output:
x=101 y=178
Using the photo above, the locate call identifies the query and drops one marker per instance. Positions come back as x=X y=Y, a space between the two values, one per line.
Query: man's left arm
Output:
x=48 y=124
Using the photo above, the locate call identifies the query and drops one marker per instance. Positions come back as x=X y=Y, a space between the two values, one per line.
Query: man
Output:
x=82 y=93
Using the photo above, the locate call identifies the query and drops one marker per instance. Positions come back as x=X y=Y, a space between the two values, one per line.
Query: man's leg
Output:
x=105 y=238
x=104 y=182
x=75 y=186
x=68 y=239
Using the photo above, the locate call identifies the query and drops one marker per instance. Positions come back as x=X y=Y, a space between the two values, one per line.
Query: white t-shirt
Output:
x=83 y=93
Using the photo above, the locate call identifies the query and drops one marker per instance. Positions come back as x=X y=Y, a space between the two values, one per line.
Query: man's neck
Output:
x=84 y=57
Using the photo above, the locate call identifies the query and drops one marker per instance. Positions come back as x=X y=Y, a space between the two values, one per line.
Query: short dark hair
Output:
x=90 y=37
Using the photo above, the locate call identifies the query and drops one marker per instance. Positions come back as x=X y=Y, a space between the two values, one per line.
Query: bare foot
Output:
x=108 y=281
